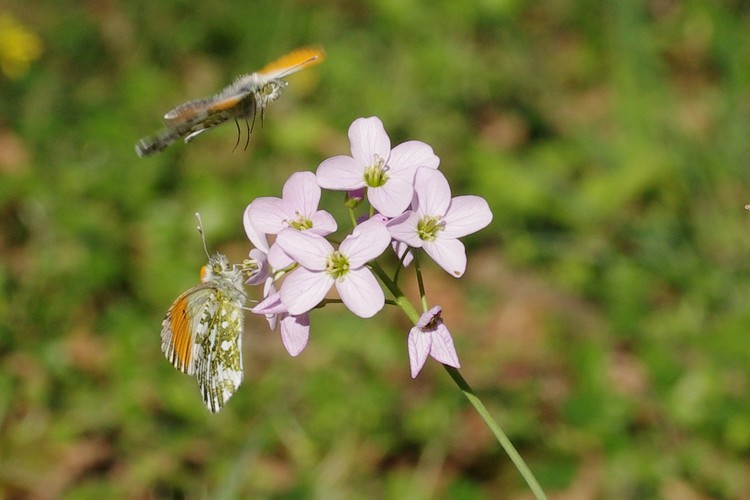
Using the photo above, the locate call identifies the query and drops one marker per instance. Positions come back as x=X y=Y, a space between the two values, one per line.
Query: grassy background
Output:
x=603 y=317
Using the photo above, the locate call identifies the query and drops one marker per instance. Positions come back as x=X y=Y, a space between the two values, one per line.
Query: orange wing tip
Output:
x=295 y=61
x=181 y=340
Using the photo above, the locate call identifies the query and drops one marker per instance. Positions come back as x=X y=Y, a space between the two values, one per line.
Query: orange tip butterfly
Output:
x=240 y=100
x=201 y=334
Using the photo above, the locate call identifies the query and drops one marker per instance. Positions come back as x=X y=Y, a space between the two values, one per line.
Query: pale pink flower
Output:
x=295 y=330
x=387 y=173
x=297 y=209
x=430 y=337
x=436 y=221
x=322 y=267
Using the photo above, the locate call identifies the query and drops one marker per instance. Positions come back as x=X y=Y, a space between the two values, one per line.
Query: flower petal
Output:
x=368 y=138
x=433 y=192
x=302 y=290
x=270 y=215
x=277 y=259
x=269 y=288
x=401 y=248
x=368 y=240
x=323 y=223
x=295 y=332
x=340 y=173
x=258 y=239
x=466 y=215
x=270 y=305
x=301 y=191
x=393 y=197
x=261 y=261
x=449 y=254
x=361 y=292
x=429 y=316
x=442 y=348
x=310 y=250
x=418 y=343
x=412 y=154
x=404 y=228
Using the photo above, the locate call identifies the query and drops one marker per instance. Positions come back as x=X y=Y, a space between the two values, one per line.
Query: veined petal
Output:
x=433 y=315
x=466 y=215
x=302 y=290
x=269 y=215
x=360 y=292
x=258 y=239
x=442 y=348
x=270 y=305
x=419 y=343
x=433 y=192
x=323 y=223
x=404 y=228
x=261 y=260
x=340 y=173
x=367 y=242
x=295 y=332
x=392 y=198
x=412 y=154
x=400 y=248
x=302 y=192
x=277 y=258
x=449 y=254
x=368 y=138
x=310 y=250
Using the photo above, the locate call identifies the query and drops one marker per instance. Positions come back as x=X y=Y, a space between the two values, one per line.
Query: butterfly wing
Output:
x=181 y=324
x=218 y=349
x=194 y=117
x=292 y=62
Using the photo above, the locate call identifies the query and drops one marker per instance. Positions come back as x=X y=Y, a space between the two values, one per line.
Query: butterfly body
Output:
x=202 y=332
x=247 y=95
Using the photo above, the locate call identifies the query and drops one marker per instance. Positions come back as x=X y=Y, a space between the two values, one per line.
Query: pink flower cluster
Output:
x=414 y=210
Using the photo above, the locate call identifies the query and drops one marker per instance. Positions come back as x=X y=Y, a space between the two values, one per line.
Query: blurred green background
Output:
x=603 y=317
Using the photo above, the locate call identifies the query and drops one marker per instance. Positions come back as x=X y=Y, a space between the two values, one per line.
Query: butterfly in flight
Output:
x=242 y=100
x=201 y=334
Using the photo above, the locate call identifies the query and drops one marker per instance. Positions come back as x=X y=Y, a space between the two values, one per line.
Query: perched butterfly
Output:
x=201 y=334
x=240 y=100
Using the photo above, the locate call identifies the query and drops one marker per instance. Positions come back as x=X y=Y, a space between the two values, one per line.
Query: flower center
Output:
x=376 y=174
x=301 y=223
x=338 y=265
x=429 y=226
x=250 y=267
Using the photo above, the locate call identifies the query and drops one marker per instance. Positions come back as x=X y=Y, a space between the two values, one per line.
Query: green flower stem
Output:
x=352 y=217
x=398 y=295
x=420 y=282
x=502 y=438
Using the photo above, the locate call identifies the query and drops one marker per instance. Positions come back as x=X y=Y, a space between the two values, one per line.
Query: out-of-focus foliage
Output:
x=603 y=317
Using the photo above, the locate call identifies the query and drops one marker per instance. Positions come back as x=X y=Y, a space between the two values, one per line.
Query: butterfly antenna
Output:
x=203 y=234
x=239 y=134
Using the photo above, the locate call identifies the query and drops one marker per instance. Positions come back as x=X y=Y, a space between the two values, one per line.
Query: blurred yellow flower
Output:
x=18 y=47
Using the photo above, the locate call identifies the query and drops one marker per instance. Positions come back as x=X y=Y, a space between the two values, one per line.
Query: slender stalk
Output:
x=420 y=282
x=502 y=438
